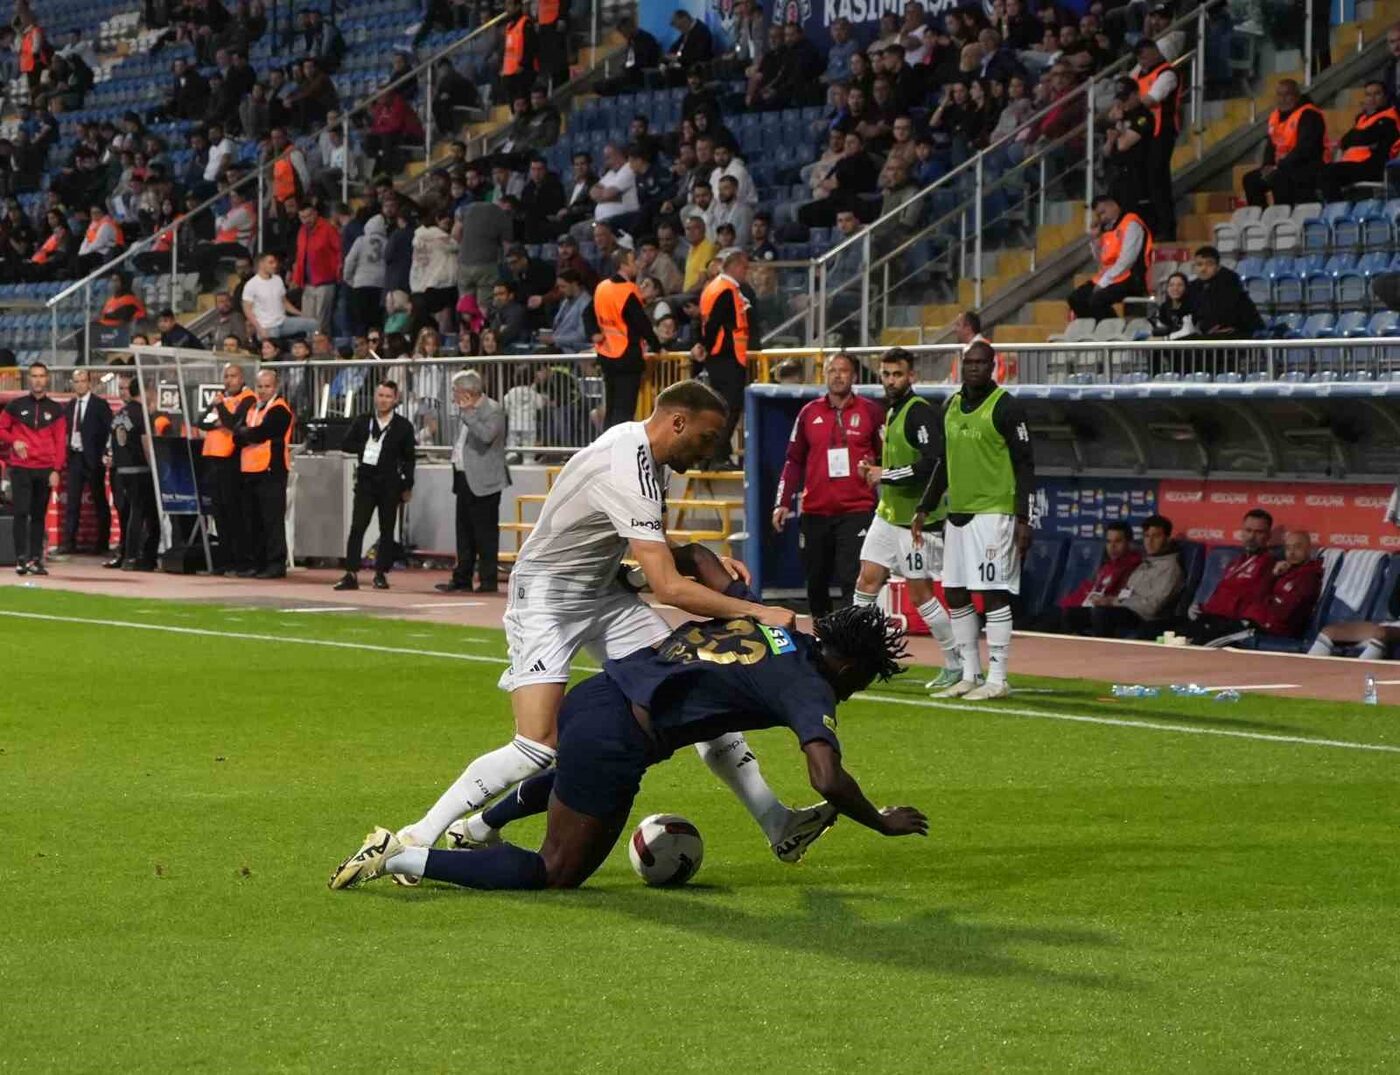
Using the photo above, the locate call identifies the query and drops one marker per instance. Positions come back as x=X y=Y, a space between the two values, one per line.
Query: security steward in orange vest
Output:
x=552 y=28
x=724 y=341
x=1159 y=90
x=265 y=458
x=519 y=59
x=121 y=307
x=618 y=325
x=1123 y=245
x=223 y=472
x=1293 y=153
x=1373 y=140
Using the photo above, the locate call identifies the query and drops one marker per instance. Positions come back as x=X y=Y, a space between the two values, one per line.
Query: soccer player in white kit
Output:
x=564 y=595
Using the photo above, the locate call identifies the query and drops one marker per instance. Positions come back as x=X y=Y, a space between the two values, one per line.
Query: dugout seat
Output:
x=1040 y=575
x=1332 y=560
x=1213 y=565
x=1191 y=555
x=1081 y=561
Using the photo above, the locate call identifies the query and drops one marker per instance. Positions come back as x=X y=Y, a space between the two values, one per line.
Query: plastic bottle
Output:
x=1368 y=695
x=1228 y=696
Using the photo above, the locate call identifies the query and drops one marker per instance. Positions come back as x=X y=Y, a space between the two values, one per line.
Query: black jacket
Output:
x=396 y=453
x=1221 y=306
x=179 y=336
x=97 y=427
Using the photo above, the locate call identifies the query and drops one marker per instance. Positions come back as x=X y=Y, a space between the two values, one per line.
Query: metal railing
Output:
x=259 y=176
x=972 y=173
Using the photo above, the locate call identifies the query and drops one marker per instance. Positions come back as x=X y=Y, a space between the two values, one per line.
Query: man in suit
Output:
x=383 y=444
x=89 y=426
x=478 y=476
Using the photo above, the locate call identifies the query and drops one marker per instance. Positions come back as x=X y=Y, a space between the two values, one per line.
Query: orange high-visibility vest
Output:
x=548 y=13
x=96 y=227
x=50 y=245
x=514 y=58
x=1284 y=133
x=609 y=298
x=116 y=304
x=1357 y=154
x=1173 y=102
x=1111 y=242
x=713 y=290
x=218 y=442
x=257 y=458
x=284 y=177
x=165 y=239
x=228 y=235
x=30 y=47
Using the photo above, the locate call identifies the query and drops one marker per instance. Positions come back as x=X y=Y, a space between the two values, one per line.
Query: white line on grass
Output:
x=960 y=707
x=1258 y=687
x=450 y=604
x=1156 y=726
x=246 y=637
x=324 y=608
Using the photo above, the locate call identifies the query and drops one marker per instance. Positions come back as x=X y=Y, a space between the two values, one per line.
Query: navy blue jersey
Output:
x=711 y=677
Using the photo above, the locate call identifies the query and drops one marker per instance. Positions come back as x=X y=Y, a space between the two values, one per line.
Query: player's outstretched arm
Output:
x=671 y=587
x=840 y=789
x=699 y=563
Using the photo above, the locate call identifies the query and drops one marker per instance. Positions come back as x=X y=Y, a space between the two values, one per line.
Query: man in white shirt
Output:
x=269 y=314
x=616 y=192
x=99 y=241
x=728 y=164
x=565 y=595
x=221 y=151
x=728 y=208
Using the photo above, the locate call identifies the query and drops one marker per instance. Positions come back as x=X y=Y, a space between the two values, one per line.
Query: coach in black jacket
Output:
x=384 y=444
x=89 y=426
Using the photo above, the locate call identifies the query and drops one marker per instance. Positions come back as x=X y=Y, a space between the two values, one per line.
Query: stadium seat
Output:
x=1228 y=235
x=1081 y=561
x=1213 y=565
x=1367 y=573
x=1352 y=325
x=1317 y=231
x=1040 y=574
x=1078 y=330
x=1256 y=236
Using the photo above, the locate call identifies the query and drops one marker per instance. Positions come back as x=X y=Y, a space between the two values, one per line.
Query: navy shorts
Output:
x=602 y=751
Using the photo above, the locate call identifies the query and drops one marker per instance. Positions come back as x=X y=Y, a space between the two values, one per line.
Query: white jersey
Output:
x=608 y=494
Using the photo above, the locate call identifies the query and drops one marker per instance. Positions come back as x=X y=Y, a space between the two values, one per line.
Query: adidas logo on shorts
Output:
x=538 y=666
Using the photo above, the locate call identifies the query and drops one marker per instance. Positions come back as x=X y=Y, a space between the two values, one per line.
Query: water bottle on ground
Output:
x=1368 y=695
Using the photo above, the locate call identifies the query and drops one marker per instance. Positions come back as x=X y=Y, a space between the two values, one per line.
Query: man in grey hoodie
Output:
x=1151 y=590
x=364 y=275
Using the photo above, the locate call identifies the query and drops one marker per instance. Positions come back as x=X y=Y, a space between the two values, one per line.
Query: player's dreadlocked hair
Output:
x=867 y=636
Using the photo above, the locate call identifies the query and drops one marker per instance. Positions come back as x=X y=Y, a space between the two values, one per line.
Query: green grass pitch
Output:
x=1092 y=896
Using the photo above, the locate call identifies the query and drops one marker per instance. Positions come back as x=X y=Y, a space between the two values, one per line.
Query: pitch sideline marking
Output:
x=1157 y=726
x=1075 y=718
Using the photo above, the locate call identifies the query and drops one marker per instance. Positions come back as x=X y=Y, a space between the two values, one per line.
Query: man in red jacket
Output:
x=1275 y=598
x=33 y=429
x=830 y=438
x=1120 y=560
x=316 y=268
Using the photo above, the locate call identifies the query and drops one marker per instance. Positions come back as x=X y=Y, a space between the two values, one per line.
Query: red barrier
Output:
x=1337 y=516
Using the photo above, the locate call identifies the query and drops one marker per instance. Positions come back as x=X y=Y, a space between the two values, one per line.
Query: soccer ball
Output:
x=666 y=849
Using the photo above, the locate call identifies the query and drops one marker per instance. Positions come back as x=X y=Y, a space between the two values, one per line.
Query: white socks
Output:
x=998 y=643
x=730 y=759
x=861 y=600
x=966 y=630
x=411 y=862
x=941 y=627
x=1373 y=650
x=1322 y=647
x=478 y=830
x=483 y=780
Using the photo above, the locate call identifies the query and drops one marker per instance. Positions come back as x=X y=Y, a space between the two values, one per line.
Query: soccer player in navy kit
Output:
x=706 y=679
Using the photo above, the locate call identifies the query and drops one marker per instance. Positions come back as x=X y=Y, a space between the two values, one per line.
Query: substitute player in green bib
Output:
x=987 y=473
x=911 y=448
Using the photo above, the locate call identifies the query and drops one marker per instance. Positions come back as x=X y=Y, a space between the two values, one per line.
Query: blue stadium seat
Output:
x=1319 y=327
x=1384 y=323
x=1040 y=574
x=1352 y=325
x=1081 y=561
x=1317 y=231
x=1213 y=565
x=1346 y=232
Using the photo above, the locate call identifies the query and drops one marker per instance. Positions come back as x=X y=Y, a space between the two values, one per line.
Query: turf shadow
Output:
x=939 y=941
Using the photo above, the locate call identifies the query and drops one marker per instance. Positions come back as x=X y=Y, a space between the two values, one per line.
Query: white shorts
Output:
x=981 y=555
x=542 y=639
x=892 y=547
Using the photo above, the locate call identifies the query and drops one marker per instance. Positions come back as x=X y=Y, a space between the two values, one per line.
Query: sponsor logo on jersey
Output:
x=779 y=641
x=647 y=524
